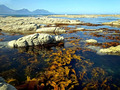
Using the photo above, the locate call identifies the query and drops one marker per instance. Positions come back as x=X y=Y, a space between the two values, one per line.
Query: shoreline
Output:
x=86 y=15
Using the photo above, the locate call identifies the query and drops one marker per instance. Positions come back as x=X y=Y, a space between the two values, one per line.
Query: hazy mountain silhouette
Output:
x=5 y=10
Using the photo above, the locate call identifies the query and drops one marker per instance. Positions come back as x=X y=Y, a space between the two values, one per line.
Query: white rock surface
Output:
x=110 y=51
x=35 y=39
x=51 y=29
x=5 y=86
x=91 y=41
x=79 y=28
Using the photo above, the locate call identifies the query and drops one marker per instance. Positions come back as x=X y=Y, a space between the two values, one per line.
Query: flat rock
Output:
x=91 y=41
x=79 y=28
x=112 y=23
x=35 y=39
x=110 y=51
x=51 y=29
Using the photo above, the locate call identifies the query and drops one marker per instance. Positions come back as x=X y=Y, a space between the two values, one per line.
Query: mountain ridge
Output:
x=6 y=10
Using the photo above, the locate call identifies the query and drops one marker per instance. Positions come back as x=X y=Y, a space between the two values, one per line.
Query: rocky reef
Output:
x=31 y=24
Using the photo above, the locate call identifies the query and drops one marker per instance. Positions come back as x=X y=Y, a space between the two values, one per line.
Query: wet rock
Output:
x=91 y=41
x=110 y=51
x=51 y=29
x=5 y=86
x=35 y=39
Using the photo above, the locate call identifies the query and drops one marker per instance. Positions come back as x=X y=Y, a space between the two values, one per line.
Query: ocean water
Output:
x=18 y=63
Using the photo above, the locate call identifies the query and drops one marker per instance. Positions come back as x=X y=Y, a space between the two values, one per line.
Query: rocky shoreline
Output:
x=31 y=24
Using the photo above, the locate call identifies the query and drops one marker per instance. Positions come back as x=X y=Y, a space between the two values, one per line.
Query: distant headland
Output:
x=6 y=10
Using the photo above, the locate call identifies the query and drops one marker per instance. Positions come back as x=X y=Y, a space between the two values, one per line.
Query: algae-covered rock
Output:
x=35 y=39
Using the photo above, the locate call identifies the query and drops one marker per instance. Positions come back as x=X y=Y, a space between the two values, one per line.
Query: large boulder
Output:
x=35 y=39
x=51 y=29
x=5 y=86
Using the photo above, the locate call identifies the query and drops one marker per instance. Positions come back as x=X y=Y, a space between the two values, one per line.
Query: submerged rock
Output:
x=91 y=41
x=35 y=39
x=51 y=29
x=110 y=51
x=5 y=86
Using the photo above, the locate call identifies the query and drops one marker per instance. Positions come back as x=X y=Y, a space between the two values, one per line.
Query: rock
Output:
x=99 y=31
x=22 y=24
x=80 y=29
x=91 y=41
x=11 y=43
x=53 y=25
x=110 y=51
x=5 y=86
x=35 y=39
x=58 y=38
x=51 y=29
x=112 y=23
x=20 y=28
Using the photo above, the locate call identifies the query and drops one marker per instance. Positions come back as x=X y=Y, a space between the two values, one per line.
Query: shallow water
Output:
x=19 y=63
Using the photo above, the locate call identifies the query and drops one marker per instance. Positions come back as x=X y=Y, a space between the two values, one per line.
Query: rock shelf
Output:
x=27 y=24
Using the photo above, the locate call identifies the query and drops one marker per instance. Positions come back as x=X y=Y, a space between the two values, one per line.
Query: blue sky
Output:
x=67 y=6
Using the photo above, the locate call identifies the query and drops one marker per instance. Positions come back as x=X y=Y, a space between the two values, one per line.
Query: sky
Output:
x=67 y=6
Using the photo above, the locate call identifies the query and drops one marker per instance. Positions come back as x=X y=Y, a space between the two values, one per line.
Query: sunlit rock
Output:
x=91 y=41
x=51 y=29
x=112 y=23
x=35 y=39
x=110 y=51
x=20 y=28
x=80 y=28
x=5 y=86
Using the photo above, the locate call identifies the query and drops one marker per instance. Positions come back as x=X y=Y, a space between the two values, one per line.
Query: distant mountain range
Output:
x=5 y=10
